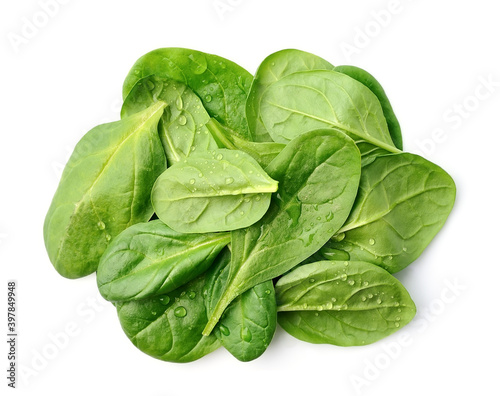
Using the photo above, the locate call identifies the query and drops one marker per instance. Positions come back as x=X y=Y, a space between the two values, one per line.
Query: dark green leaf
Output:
x=342 y=303
x=148 y=259
x=318 y=175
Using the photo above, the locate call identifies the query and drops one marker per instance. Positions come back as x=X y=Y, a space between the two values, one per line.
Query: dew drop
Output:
x=346 y=263
x=370 y=295
x=396 y=324
x=224 y=330
x=182 y=120
x=229 y=180
x=208 y=98
x=101 y=225
x=219 y=156
x=200 y=174
x=405 y=249
x=257 y=198
x=379 y=301
x=316 y=314
x=329 y=216
x=108 y=237
x=351 y=282
x=180 y=312
x=334 y=299
x=268 y=291
x=165 y=300
x=365 y=283
x=246 y=200
x=179 y=103
x=192 y=295
x=192 y=181
x=343 y=277
x=371 y=241
x=153 y=312
x=183 y=294
x=398 y=318
x=363 y=298
x=246 y=334
x=396 y=304
x=312 y=280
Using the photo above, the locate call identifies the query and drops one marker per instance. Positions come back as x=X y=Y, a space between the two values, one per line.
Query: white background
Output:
x=434 y=59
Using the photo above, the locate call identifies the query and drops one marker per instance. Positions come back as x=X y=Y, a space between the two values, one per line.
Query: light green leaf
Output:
x=219 y=190
x=105 y=188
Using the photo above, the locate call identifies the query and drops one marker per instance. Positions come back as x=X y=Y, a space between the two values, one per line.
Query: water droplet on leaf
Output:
x=180 y=312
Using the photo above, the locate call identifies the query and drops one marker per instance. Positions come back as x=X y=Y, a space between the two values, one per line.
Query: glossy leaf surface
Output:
x=272 y=69
x=105 y=188
x=249 y=322
x=219 y=190
x=222 y=85
x=342 y=303
x=148 y=259
x=182 y=126
x=168 y=327
x=318 y=175
x=316 y=99
x=402 y=203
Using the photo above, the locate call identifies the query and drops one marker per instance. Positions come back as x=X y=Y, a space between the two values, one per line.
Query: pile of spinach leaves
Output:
x=224 y=203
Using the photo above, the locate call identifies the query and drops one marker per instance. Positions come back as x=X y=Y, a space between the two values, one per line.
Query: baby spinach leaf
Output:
x=272 y=69
x=168 y=327
x=309 y=100
x=368 y=80
x=249 y=322
x=342 y=303
x=182 y=126
x=222 y=85
x=148 y=259
x=105 y=188
x=217 y=190
x=262 y=152
x=318 y=175
x=402 y=203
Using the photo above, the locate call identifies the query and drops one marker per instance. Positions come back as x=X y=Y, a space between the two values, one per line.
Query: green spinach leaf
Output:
x=168 y=327
x=367 y=79
x=105 y=188
x=217 y=190
x=318 y=175
x=262 y=152
x=272 y=69
x=402 y=203
x=309 y=100
x=182 y=126
x=148 y=259
x=222 y=85
x=342 y=303
x=249 y=322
